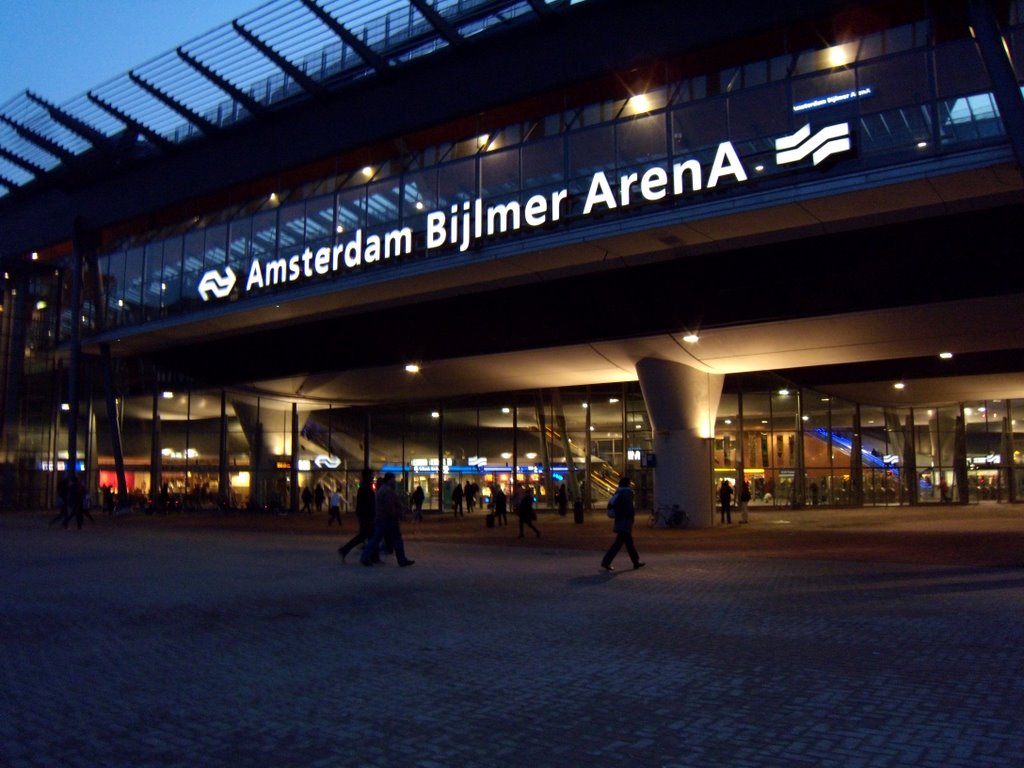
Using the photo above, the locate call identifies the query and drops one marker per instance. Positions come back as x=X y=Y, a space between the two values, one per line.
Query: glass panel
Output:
x=591 y=150
x=291 y=228
x=543 y=163
x=382 y=203
x=959 y=70
x=351 y=207
x=758 y=113
x=264 y=233
x=239 y=237
x=456 y=183
x=499 y=174
x=172 y=272
x=699 y=125
x=320 y=221
x=152 y=293
x=895 y=82
x=113 y=275
x=642 y=140
x=134 y=276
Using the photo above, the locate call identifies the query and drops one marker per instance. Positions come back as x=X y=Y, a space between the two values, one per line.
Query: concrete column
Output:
x=682 y=403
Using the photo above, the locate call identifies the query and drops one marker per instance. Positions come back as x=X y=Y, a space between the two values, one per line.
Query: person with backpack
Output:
x=620 y=506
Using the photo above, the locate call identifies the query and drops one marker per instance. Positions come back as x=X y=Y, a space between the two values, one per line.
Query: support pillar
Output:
x=682 y=403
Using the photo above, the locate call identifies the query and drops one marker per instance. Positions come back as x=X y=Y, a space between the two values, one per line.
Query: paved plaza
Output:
x=172 y=642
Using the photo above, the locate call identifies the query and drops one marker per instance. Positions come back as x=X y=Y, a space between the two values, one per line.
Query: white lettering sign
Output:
x=466 y=224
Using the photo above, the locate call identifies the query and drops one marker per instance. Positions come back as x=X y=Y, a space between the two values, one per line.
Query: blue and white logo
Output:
x=830 y=140
x=215 y=283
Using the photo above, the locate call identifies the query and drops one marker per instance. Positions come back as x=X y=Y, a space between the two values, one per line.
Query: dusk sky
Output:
x=62 y=48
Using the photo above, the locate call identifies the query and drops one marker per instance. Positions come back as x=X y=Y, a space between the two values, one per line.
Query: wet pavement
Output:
x=821 y=638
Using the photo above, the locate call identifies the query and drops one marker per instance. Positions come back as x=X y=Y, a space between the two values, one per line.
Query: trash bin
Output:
x=577 y=511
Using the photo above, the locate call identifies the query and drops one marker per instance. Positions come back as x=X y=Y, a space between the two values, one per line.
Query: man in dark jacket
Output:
x=622 y=505
x=365 y=512
x=391 y=509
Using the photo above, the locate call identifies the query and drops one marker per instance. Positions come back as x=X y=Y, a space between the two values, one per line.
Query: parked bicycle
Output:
x=665 y=516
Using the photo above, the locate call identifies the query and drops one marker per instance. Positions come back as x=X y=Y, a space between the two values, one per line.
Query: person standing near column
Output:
x=621 y=504
x=744 y=501
x=725 y=497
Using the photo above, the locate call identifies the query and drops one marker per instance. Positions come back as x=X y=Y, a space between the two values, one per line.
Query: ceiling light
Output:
x=168 y=395
x=784 y=392
x=613 y=400
x=435 y=415
x=899 y=385
x=640 y=103
x=945 y=355
x=367 y=171
x=35 y=256
x=412 y=368
x=691 y=338
x=506 y=409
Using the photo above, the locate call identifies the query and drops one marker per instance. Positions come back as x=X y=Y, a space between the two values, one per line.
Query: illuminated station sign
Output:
x=466 y=224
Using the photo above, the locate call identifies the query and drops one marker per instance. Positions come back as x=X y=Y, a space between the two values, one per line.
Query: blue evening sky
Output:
x=62 y=48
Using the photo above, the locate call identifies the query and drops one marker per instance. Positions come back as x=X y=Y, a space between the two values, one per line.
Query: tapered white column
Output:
x=682 y=403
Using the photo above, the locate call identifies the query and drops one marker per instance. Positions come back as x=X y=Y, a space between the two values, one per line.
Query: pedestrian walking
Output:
x=621 y=507
x=334 y=506
x=390 y=509
x=307 y=501
x=417 y=503
x=522 y=503
x=318 y=498
x=500 y=504
x=457 y=500
x=365 y=513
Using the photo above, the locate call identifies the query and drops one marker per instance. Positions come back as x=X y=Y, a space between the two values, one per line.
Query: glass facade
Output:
x=796 y=448
x=906 y=97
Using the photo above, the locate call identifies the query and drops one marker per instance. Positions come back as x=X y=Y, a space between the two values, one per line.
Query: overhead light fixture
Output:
x=784 y=392
x=899 y=385
x=35 y=255
x=168 y=395
x=945 y=355
x=691 y=338
x=412 y=368
x=435 y=415
x=506 y=409
x=640 y=103
x=367 y=171
x=419 y=205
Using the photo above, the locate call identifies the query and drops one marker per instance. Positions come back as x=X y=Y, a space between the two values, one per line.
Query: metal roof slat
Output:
x=368 y=55
x=225 y=85
x=191 y=116
x=301 y=78
x=140 y=128
x=19 y=161
x=75 y=125
x=42 y=142
x=438 y=22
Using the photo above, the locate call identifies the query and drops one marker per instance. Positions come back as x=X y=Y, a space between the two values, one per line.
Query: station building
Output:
x=540 y=241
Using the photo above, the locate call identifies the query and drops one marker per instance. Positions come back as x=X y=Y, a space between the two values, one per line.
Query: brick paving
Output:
x=822 y=639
